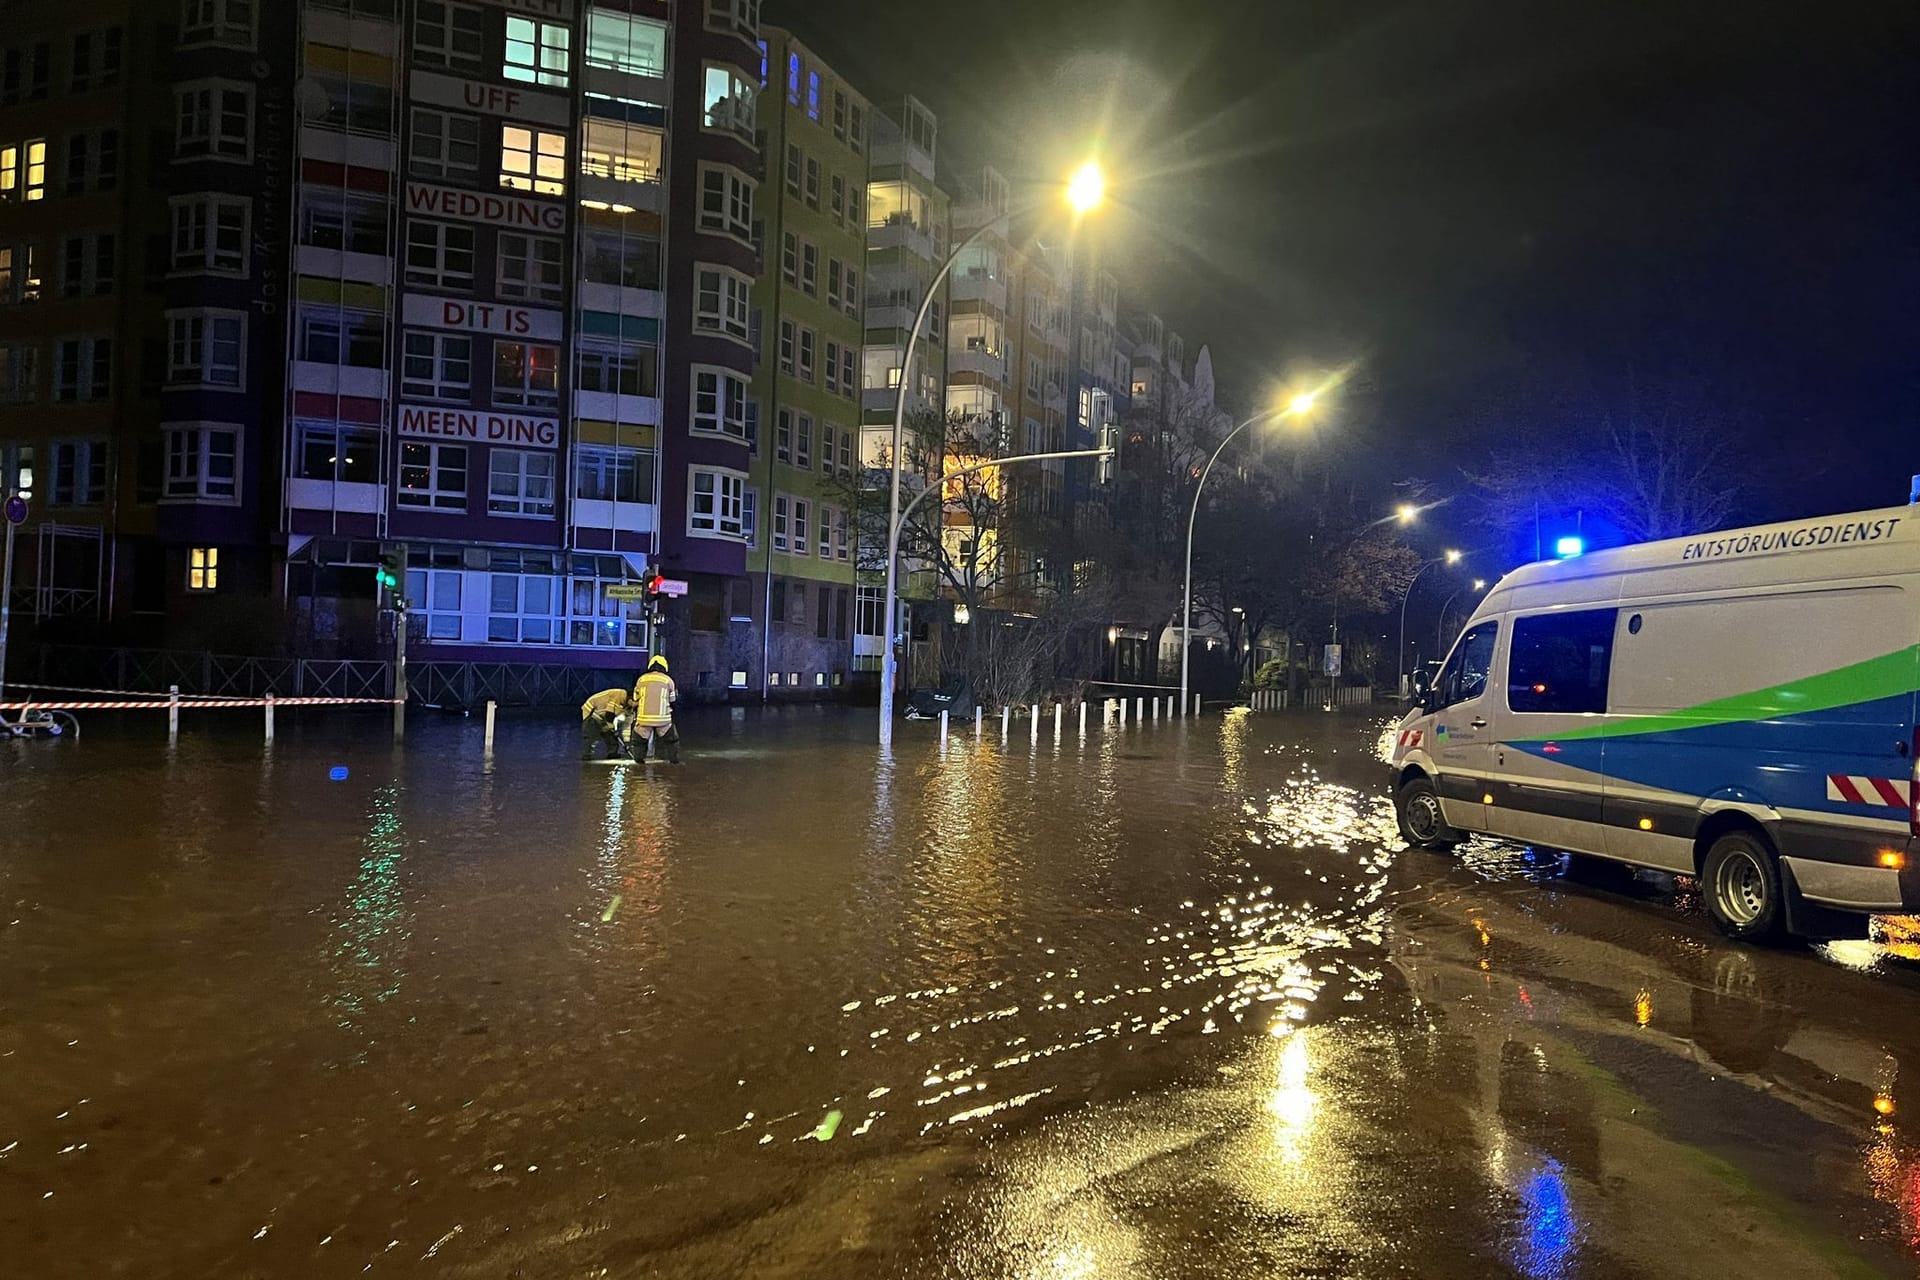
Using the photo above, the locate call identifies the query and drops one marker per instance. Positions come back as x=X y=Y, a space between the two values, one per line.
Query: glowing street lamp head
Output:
x=1406 y=513
x=1087 y=188
x=1479 y=584
x=1453 y=557
x=1303 y=403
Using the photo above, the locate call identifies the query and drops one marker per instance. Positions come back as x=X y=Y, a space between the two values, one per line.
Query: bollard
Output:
x=269 y=717
x=1156 y=709
x=1139 y=709
x=1034 y=714
x=1120 y=711
x=1083 y=717
x=492 y=706
x=173 y=714
x=943 y=727
x=1006 y=718
x=1196 y=704
x=977 y=712
x=1057 y=712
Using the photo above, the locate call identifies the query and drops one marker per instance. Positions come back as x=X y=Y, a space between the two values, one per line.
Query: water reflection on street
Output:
x=1166 y=1000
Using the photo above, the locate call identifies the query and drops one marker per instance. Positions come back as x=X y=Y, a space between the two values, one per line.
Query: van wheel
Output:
x=1741 y=884
x=1417 y=805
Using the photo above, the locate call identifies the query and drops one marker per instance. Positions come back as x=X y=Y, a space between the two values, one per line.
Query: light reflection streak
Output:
x=1549 y=1241
x=1292 y=1103
x=375 y=919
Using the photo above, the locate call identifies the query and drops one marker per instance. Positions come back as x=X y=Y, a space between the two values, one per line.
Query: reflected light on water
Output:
x=1549 y=1241
x=1643 y=1007
x=374 y=918
x=1292 y=1102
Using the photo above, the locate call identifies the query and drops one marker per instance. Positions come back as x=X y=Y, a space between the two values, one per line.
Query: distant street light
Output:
x=1083 y=192
x=1440 y=627
x=1406 y=513
x=1400 y=679
x=1298 y=405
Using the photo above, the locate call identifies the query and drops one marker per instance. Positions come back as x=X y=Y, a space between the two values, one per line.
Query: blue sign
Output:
x=16 y=509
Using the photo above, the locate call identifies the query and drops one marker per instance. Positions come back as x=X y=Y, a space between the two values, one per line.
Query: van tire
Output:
x=1417 y=805
x=1741 y=885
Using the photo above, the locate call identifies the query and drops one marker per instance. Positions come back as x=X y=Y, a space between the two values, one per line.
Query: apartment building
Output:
x=809 y=331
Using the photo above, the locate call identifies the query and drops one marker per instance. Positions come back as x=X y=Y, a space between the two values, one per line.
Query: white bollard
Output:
x=492 y=706
x=1156 y=709
x=1083 y=717
x=1196 y=704
x=1122 y=703
x=978 y=711
x=1057 y=712
x=1139 y=709
x=173 y=714
x=1006 y=718
x=1036 y=722
x=269 y=717
x=943 y=728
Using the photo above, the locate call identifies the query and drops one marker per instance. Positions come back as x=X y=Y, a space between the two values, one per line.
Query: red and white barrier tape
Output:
x=117 y=693
x=198 y=704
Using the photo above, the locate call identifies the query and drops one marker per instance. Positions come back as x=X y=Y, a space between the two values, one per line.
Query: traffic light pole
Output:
x=398 y=594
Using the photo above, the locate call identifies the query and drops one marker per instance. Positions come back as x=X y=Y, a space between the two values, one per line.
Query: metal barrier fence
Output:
x=1358 y=695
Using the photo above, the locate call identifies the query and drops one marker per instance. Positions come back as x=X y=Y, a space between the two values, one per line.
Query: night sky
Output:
x=1486 y=208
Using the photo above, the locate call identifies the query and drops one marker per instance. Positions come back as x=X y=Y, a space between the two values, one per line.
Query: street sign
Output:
x=1333 y=659
x=627 y=591
x=16 y=509
x=672 y=587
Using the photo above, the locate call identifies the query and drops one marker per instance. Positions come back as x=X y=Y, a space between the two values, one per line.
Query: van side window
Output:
x=1561 y=661
x=1465 y=675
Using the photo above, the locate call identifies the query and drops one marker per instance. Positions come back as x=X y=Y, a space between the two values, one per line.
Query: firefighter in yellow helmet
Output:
x=652 y=707
x=600 y=721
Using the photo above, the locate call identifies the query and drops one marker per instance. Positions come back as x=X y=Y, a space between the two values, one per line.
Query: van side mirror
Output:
x=1422 y=685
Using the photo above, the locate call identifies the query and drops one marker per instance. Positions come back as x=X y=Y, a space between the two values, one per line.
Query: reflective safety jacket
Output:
x=653 y=696
x=607 y=702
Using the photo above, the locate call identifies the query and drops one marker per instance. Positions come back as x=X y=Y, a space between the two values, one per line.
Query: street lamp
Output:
x=1406 y=513
x=1298 y=406
x=1084 y=192
x=1440 y=627
x=1400 y=678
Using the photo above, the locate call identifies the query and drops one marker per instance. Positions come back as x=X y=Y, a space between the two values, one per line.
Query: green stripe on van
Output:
x=1882 y=677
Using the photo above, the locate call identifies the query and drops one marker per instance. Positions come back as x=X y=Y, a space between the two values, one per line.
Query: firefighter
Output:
x=600 y=722
x=653 y=698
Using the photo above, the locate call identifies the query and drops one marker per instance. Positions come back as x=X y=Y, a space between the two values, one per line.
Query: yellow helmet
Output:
x=659 y=663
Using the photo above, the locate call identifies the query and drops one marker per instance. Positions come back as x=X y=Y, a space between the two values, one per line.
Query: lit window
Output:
x=793 y=78
x=726 y=202
x=203 y=569
x=526 y=374
x=533 y=160
x=721 y=302
x=623 y=152
x=729 y=101
x=813 y=95
x=719 y=402
x=537 y=52
x=16 y=469
x=619 y=42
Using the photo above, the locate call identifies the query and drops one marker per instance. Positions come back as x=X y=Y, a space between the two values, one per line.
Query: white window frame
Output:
x=203 y=570
x=70 y=472
x=782 y=504
x=712 y=406
x=229 y=23
x=539 y=39
x=543 y=267
x=524 y=394
x=439 y=347
x=213 y=143
x=441 y=241
x=442 y=128
x=723 y=302
x=733 y=191
x=190 y=354
x=434 y=497
x=823 y=538
x=348 y=321
x=445 y=48
x=198 y=217
x=340 y=438
x=724 y=499
x=194 y=443
x=739 y=115
x=90 y=281
x=799 y=545
x=538 y=146
x=803 y=441
x=529 y=470
x=737 y=17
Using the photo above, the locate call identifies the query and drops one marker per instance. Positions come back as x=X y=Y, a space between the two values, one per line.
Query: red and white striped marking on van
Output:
x=1851 y=788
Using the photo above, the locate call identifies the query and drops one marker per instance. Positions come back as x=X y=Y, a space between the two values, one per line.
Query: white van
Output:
x=1737 y=707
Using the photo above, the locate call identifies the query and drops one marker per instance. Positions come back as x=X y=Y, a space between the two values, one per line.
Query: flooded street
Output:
x=1169 y=1002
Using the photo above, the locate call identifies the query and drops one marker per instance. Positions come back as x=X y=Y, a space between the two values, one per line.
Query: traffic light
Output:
x=654 y=580
x=391 y=573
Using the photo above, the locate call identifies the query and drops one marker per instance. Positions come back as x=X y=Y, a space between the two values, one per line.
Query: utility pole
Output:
x=16 y=512
x=392 y=576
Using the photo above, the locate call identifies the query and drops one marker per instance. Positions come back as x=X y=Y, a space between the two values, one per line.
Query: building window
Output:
x=202 y=463
x=728 y=102
x=793 y=78
x=436 y=366
x=617 y=368
x=87 y=265
x=843 y=531
x=530 y=267
x=525 y=608
x=837 y=198
x=726 y=203
x=217 y=22
x=620 y=151
x=742 y=17
x=750 y=526
x=23 y=170
x=833 y=283
x=833 y=367
x=716 y=498
x=447 y=35
x=803 y=441
x=82 y=370
x=782 y=507
x=721 y=302
x=810 y=269
x=813 y=183
x=210 y=234
x=16 y=469
x=823 y=548
x=79 y=473
x=336 y=335
x=337 y=220
x=445 y=145
x=337 y=451
x=440 y=254
x=813 y=95
x=806 y=355
x=203 y=569
x=790 y=257
x=839 y=115
x=849 y=385
x=794 y=166
x=346 y=105
x=619 y=258
x=19 y=274
x=856 y=131
x=93 y=161
x=537 y=52
x=526 y=374
x=800 y=512
x=433 y=476
x=603 y=474
x=520 y=482
x=789 y=333
x=213 y=119
x=18 y=363
x=783 y=435
x=533 y=160
x=719 y=402
x=619 y=42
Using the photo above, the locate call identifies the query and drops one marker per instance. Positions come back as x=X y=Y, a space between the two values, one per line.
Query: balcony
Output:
x=340 y=379
x=608 y=406
x=631 y=189
x=622 y=300
x=627 y=517
x=356 y=150
x=898 y=232
x=979 y=360
x=978 y=286
x=640 y=84
x=339 y=264
x=360 y=32
x=340 y=495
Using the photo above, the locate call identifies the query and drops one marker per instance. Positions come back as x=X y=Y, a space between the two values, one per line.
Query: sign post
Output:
x=16 y=514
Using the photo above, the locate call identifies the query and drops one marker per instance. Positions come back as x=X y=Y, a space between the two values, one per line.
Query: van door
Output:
x=1463 y=729
x=1550 y=762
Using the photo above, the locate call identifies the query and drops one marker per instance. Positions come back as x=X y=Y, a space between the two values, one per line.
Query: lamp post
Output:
x=1301 y=403
x=1440 y=627
x=1085 y=189
x=893 y=552
x=1400 y=677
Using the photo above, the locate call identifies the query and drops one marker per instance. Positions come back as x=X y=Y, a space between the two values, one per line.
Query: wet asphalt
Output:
x=1169 y=1001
